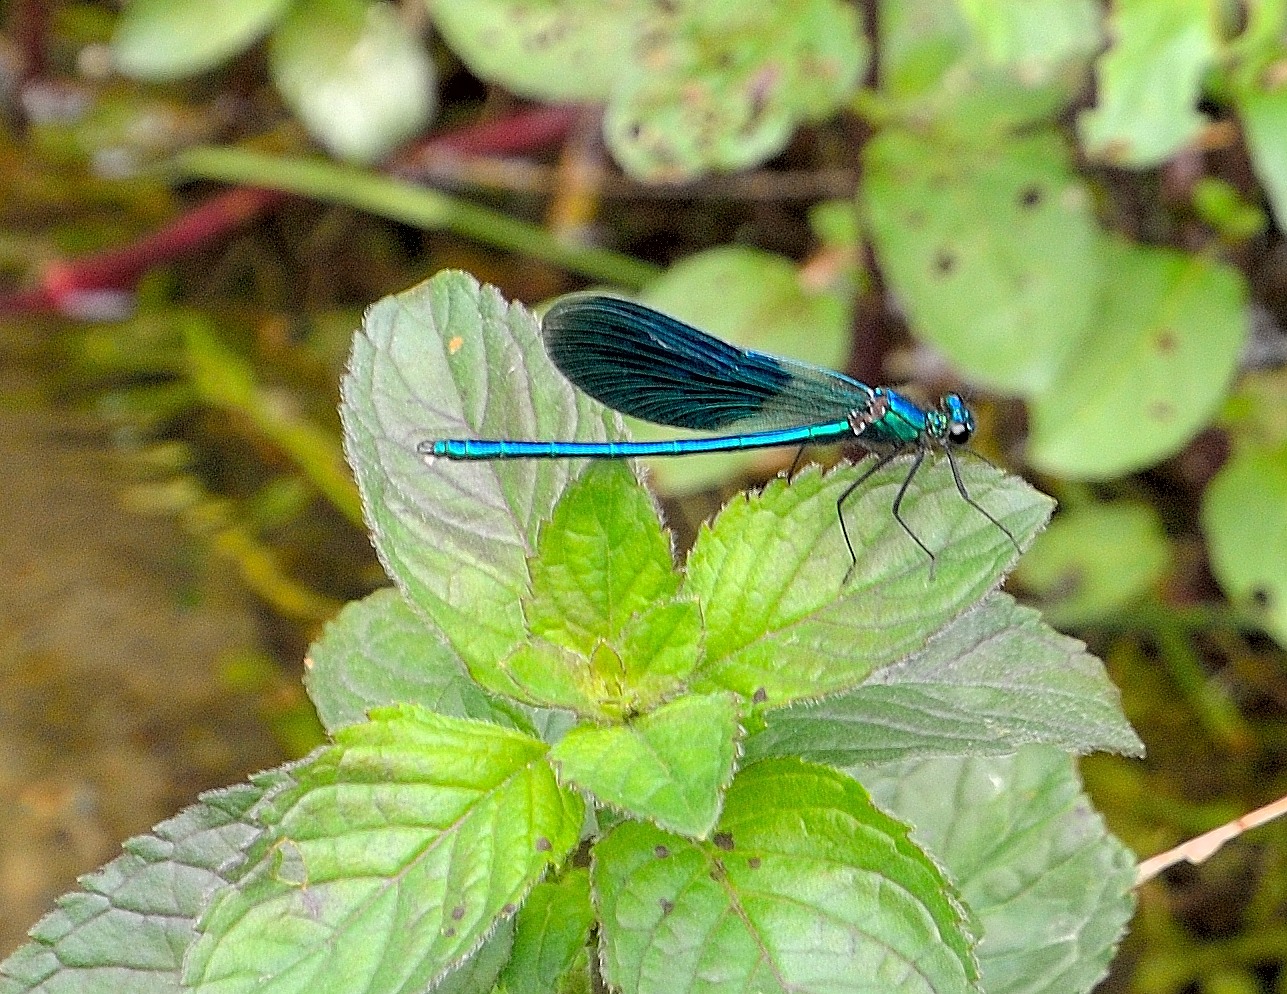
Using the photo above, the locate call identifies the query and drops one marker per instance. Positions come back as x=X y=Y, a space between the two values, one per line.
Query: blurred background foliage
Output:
x=1076 y=210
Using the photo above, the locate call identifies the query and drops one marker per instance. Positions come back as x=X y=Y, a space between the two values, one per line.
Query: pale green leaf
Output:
x=980 y=68
x=1149 y=81
x=377 y=651
x=1033 y=34
x=991 y=248
x=167 y=39
x=1051 y=889
x=358 y=79
x=669 y=766
x=452 y=359
x=1263 y=112
x=806 y=886
x=1153 y=370
x=995 y=679
x=1095 y=560
x=781 y=622
x=1242 y=515
x=397 y=851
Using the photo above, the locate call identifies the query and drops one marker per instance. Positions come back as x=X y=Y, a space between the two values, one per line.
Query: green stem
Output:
x=414 y=205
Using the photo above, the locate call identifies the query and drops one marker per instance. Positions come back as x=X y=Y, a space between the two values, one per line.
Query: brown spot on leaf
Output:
x=666 y=906
x=543 y=844
x=753 y=863
x=661 y=852
x=458 y=912
x=1031 y=196
x=1161 y=410
x=1165 y=341
x=760 y=696
x=723 y=840
x=944 y=262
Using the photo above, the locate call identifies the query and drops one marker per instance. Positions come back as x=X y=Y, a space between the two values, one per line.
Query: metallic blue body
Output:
x=654 y=367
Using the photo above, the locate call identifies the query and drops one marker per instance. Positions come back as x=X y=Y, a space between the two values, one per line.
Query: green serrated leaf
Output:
x=984 y=67
x=1052 y=890
x=995 y=679
x=991 y=248
x=805 y=886
x=1242 y=515
x=168 y=39
x=660 y=648
x=550 y=935
x=724 y=86
x=1095 y=560
x=669 y=766
x=758 y=300
x=354 y=74
x=528 y=47
x=547 y=675
x=131 y=924
x=377 y=651
x=396 y=853
x=1149 y=81
x=1153 y=369
x=451 y=359
x=781 y=624
x=602 y=558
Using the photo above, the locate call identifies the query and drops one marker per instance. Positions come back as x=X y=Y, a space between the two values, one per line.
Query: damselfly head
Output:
x=958 y=422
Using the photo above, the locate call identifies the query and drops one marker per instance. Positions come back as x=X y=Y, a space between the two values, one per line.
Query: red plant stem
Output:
x=69 y=286
x=528 y=130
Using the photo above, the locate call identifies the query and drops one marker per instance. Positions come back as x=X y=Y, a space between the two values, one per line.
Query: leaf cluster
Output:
x=558 y=760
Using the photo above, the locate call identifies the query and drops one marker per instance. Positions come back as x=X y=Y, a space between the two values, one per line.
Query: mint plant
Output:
x=561 y=762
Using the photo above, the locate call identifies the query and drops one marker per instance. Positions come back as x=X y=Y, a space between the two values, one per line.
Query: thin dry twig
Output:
x=1201 y=849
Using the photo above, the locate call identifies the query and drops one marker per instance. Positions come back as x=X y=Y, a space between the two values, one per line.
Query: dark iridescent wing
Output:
x=651 y=366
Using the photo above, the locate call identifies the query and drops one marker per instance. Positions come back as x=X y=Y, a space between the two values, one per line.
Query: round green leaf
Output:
x=1246 y=528
x=1153 y=370
x=1094 y=560
x=552 y=50
x=724 y=86
x=357 y=78
x=991 y=249
x=168 y=39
